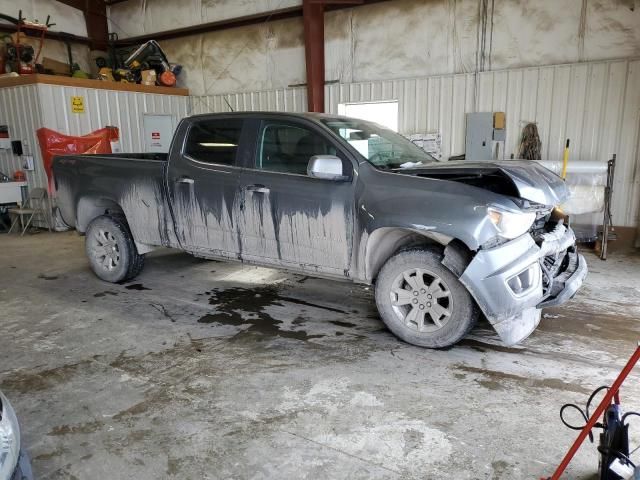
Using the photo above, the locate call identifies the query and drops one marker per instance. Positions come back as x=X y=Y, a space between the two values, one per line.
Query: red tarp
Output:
x=53 y=143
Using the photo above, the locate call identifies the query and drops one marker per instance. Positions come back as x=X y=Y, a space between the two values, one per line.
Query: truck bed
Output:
x=132 y=183
x=159 y=157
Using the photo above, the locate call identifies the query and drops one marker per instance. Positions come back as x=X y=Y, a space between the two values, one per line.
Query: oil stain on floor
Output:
x=136 y=286
x=232 y=303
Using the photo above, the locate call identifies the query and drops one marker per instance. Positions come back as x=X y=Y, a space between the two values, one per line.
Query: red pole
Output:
x=606 y=401
x=313 y=19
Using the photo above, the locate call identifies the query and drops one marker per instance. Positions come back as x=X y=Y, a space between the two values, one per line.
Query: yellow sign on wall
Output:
x=77 y=104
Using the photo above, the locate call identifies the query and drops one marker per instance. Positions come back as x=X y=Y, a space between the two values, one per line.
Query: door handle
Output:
x=187 y=180
x=257 y=188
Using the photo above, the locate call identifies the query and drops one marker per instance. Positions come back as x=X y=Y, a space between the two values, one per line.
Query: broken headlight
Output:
x=510 y=224
x=9 y=439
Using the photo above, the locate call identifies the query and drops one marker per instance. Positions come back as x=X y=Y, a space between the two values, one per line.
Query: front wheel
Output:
x=422 y=302
x=111 y=250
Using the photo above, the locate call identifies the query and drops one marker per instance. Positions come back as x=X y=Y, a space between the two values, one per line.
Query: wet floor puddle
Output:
x=136 y=286
x=232 y=303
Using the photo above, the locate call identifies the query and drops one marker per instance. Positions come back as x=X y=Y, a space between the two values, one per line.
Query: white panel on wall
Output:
x=595 y=104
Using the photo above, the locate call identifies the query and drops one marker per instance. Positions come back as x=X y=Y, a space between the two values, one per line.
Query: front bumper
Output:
x=512 y=282
x=23 y=469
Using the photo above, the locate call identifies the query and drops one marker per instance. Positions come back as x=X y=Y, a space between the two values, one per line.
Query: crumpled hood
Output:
x=532 y=182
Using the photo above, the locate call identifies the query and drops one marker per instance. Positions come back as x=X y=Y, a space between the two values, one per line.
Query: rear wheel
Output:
x=422 y=302
x=111 y=250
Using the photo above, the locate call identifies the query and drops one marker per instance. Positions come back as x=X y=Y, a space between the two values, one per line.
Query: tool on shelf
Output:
x=20 y=56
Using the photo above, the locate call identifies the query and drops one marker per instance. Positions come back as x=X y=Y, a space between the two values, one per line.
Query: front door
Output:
x=289 y=218
x=203 y=181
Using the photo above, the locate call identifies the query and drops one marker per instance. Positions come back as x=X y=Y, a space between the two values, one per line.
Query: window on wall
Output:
x=382 y=113
x=214 y=141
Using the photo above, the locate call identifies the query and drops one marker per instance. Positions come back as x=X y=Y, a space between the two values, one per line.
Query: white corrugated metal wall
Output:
x=292 y=99
x=124 y=110
x=27 y=108
x=595 y=104
x=20 y=110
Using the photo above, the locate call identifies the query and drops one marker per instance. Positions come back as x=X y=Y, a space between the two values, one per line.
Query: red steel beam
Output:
x=253 y=19
x=95 y=17
x=313 y=19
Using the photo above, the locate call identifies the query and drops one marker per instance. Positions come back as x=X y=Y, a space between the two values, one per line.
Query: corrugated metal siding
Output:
x=282 y=100
x=20 y=110
x=596 y=105
x=124 y=110
x=27 y=108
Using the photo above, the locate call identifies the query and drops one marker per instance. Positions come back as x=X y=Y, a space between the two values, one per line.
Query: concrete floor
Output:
x=203 y=369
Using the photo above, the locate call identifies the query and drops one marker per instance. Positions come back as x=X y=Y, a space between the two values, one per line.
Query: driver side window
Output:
x=288 y=148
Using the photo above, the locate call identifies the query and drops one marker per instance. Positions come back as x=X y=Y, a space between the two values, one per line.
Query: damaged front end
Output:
x=513 y=281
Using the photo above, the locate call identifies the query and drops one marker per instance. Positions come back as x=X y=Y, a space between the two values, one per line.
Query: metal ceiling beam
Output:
x=255 y=19
x=79 y=4
x=60 y=36
x=312 y=13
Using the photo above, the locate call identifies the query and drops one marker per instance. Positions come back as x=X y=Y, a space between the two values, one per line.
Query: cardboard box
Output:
x=58 y=68
x=498 y=120
x=149 y=77
x=106 y=74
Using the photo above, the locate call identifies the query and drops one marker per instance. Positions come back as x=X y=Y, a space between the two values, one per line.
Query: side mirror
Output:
x=326 y=167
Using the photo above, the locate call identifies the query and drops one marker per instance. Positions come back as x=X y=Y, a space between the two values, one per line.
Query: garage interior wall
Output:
x=582 y=91
x=595 y=104
x=30 y=107
x=67 y=19
x=382 y=41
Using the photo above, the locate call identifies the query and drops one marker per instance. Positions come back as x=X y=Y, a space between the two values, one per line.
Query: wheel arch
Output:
x=91 y=207
x=384 y=242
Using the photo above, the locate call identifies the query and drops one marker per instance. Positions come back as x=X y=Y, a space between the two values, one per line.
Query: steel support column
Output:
x=313 y=18
x=95 y=16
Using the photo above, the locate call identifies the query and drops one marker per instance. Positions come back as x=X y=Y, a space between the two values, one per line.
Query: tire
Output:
x=442 y=311
x=111 y=251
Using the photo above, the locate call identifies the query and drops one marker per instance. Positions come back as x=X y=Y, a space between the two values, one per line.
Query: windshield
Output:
x=382 y=147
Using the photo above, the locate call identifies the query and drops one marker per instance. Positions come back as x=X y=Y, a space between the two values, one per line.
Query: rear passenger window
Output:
x=214 y=141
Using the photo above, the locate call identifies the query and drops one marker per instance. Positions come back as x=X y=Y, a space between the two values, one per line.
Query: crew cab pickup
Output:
x=342 y=198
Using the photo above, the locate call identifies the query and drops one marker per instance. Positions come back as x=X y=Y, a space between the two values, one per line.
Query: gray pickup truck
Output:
x=341 y=198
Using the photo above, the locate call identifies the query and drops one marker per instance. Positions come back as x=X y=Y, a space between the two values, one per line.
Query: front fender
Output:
x=431 y=207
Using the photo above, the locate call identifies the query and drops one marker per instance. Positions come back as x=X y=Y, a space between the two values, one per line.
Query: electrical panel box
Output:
x=479 y=136
x=486 y=134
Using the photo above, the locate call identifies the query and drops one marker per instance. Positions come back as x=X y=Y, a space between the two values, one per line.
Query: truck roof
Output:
x=308 y=115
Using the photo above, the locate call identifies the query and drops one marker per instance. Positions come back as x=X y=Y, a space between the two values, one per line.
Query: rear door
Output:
x=203 y=182
x=288 y=218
